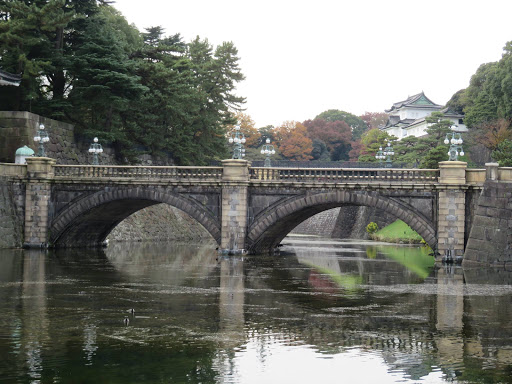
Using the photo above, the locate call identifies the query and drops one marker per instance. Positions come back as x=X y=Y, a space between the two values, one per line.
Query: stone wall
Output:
x=160 y=222
x=11 y=214
x=490 y=240
x=347 y=222
x=19 y=128
x=322 y=224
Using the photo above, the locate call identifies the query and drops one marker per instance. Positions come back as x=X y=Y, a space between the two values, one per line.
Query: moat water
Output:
x=322 y=311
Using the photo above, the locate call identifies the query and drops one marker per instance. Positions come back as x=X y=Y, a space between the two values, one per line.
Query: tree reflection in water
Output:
x=199 y=317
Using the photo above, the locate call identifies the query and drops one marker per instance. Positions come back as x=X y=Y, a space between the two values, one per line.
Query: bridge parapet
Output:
x=138 y=172
x=337 y=175
x=505 y=174
x=13 y=170
x=475 y=176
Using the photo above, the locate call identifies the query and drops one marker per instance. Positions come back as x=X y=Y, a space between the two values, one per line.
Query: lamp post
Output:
x=267 y=150
x=380 y=156
x=41 y=137
x=389 y=152
x=237 y=138
x=385 y=154
x=95 y=149
x=455 y=145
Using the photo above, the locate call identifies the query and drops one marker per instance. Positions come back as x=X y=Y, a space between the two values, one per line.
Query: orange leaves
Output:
x=252 y=136
x=293 y=142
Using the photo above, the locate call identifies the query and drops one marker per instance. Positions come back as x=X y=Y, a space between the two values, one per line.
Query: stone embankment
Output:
x=11 y=220
x=159 y=222
x=490 y=240
x=347 y=222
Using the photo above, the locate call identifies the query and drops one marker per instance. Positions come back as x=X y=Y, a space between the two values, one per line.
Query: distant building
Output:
x=407 y=118
x=7 y=78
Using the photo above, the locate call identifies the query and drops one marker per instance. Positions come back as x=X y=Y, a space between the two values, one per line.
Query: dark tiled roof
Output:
x=450 y=112
x=418 y=100
x=395 y=120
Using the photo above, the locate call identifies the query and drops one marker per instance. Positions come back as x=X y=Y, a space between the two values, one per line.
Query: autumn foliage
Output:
x=332 y=133
x=252 y=136
x=293 y=142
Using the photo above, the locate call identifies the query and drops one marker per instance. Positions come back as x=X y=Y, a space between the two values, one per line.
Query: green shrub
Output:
x=372 y=228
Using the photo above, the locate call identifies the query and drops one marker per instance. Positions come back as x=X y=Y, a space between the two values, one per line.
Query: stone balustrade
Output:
x=138 y=172
x=324 y=175
x=337 y=175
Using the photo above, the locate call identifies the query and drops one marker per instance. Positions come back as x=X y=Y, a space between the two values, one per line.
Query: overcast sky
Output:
x=301 y=58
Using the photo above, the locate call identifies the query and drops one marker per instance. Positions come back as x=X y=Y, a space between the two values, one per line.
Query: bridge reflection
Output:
x=68 y=306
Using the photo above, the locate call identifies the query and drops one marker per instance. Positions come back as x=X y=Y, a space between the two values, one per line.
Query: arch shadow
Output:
x=270 y=226
x=88 y=221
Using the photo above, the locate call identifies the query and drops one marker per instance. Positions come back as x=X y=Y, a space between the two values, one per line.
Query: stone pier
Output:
x=37 y=201
x=451 y=211
x=235 y=183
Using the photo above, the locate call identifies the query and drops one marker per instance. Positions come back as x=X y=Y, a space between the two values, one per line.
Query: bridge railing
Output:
x=505 y=173
x=13 y=170
x=338 y=175
x=137 y=172
x=475 y=176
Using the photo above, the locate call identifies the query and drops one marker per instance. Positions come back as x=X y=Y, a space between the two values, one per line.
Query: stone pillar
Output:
x=451 y=211
x=491 y=171
x=37 y=201
x=235 y=182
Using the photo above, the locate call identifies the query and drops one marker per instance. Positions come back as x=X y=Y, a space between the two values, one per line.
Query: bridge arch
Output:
x=270 y=226
x=89 y=220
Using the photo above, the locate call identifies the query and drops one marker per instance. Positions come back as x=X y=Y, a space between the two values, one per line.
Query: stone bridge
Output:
x=245 y=209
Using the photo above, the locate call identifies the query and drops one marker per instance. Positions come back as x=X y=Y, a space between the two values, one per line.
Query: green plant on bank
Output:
x=372 y=228
x=397 y=232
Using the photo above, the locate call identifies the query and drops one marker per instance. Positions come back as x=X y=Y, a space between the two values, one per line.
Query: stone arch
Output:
x=88 y=221
x=270 y=226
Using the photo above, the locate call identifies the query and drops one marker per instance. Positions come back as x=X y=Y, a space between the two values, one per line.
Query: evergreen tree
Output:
x=216 y=74
x=142 y=92
x=503 y=153
x=107 y=86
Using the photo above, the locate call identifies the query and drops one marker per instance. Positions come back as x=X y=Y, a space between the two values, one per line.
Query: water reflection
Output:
x=375 y=312
x=34 y=317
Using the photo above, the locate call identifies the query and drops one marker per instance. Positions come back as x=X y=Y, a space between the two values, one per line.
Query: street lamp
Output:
x=95 y=149
x=380 y=156
x=387 y=153
x=267 y=150
x=237 y=138
x=455 y=145
x=41 y=137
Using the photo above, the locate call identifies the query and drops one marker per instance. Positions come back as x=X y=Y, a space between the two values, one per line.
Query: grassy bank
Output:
x=397 y=232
